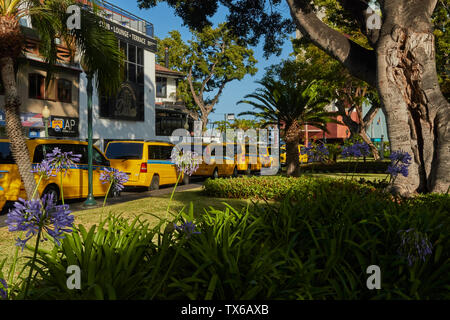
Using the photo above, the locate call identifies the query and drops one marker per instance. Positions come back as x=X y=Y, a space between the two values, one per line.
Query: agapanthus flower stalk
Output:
x=414 y=246
x=39 y=217
x=186 y=228
x=61 y=162
x=315 y=152
x=186 y=162
x=400 y=162
x=3 y=289
x=115 y=178
x=30 y=216
x=45 y=171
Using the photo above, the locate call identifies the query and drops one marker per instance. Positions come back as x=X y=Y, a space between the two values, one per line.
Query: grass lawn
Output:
x=145 y=207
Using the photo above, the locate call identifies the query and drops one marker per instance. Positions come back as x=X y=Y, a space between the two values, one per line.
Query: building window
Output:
x=167 y=122
x=36 y=86
x=64 y=90
x=161 y=87
x=128 y=104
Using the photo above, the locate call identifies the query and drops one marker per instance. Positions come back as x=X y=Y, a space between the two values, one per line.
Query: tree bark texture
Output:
x=403 y=68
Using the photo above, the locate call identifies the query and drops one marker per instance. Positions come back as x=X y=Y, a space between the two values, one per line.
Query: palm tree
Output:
x=293 y=104
x=49 y=19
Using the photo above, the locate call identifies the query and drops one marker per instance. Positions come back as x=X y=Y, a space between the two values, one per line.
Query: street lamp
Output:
x=46 y=116
x=90 y=201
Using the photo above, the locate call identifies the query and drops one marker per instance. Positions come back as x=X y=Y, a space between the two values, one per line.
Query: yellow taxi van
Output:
x=147 y=163
x=75 y=182
x=210 y=166
x=302 y=158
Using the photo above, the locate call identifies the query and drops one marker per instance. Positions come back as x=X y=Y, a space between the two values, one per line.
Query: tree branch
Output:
x=198 y=100
x=368 y=119
x=358 y=10
x=359 y=61
x=219 y=93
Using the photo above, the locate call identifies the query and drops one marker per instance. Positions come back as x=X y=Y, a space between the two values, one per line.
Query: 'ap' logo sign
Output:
x=374 y=20
x=74 y=20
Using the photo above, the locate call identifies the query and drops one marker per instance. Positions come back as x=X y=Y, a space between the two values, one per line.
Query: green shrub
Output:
x=113 y=258
x=274 y=187
x=315 y=244
x=347 y=167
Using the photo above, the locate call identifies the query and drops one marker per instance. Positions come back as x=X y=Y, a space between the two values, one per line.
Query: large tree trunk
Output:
x=373 y=148
x=403 y=68
x=14 y=128
x=417 y=113
x=291 y=137
x=292 y=159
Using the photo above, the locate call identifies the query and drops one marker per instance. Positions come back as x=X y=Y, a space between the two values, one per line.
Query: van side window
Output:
x=6 y=154
x=99 y=159
x=42 y=149
x=154 y=152
x=166 y=152
x=159 y=152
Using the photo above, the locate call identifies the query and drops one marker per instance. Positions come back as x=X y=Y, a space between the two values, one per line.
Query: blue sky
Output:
x=165 y=20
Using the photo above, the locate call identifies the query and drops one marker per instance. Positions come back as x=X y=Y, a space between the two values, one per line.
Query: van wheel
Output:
x=248 y=171
x=235 y=172
x=154 y=185
x=215 y=174
x=186 y=179
x=52 y=190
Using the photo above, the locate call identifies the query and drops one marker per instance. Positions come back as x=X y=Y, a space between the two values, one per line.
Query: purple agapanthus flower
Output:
x=43 y=214
x=115 y=177
x=44 y=169
x=315 y=152
x=62 y=161
x=414 y=245
x=3 y=289
x=188 y=228
x=400 y=161
x=186 y=162
x=356 y=150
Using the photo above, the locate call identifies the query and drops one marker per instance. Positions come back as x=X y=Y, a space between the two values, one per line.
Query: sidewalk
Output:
x=77 y=205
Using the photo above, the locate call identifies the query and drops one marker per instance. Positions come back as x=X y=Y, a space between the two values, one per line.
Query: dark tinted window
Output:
x=161 y=87
x=124 y=151
x=159 y=152
x=36 y=86
x=5 y=154
x=99 y=159
x=2 y=88
x=64 y=90
x=41 y=150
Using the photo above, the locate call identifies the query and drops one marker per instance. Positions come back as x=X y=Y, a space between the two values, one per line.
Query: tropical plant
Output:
x=49 y=19
x=211 y=59
x=292 y=104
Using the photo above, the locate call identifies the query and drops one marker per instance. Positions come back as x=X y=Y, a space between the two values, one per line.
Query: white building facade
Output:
x=130 y=114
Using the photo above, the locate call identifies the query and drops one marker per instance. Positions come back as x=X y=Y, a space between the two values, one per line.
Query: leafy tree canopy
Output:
x=210 y=60
x=252 y=20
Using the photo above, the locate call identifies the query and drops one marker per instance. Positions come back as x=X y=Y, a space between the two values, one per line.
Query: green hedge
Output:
x=273 y=187
x=316 y=246
x=347 y=167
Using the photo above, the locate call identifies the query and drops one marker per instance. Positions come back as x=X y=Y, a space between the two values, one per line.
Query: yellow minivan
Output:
x=302 y=158
x=211 y=167
x=147 y=163
x=75 y=182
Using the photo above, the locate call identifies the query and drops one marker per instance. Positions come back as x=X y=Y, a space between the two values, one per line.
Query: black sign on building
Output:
x=63 y=127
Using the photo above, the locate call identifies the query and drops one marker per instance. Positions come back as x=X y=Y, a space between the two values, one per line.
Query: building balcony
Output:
x=124 y=18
